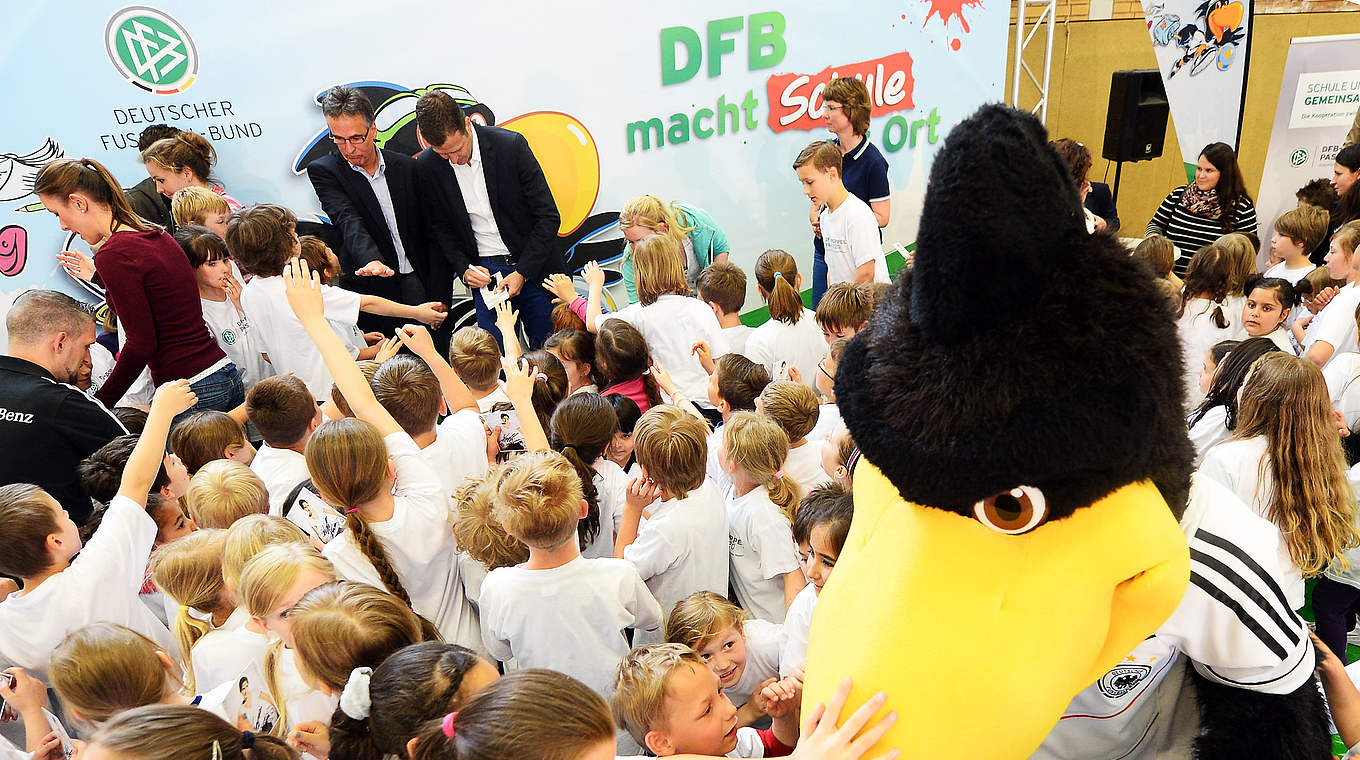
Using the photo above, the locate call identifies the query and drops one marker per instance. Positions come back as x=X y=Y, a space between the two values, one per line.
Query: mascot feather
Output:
x=1025 y=466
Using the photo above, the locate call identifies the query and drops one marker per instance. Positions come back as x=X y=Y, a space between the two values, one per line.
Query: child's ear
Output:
x=717 y=312
x=165 y=491
x=798 y=282
x=443 y=407
x=659 y=743
x=166 y=661
x=411 y=746
x=723 y=406
x=585 y=509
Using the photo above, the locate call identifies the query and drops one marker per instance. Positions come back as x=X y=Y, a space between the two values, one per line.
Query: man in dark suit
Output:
x=370 y=196
x=490 y=210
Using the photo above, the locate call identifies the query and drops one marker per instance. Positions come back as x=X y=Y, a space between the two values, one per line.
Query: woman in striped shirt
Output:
x=1216 y=203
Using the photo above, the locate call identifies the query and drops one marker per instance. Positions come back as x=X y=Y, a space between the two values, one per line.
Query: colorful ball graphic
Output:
x=570 y=161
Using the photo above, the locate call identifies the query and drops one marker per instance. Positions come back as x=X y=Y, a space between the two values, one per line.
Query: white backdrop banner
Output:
x=707 y=101
x=1201 y=48
x=1319 y=95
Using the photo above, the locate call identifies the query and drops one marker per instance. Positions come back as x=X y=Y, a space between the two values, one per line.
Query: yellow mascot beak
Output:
x=986 y=637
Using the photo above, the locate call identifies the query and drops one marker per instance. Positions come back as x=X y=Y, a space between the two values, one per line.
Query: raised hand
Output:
x=704 y=354
x=506 y=316
x=389 y=349
x=174 y=397
x=302 y=286
x=561 y=287
x=822 y=740
x=519 y=380
x=417 y=338
x=641 y=493
x=77 y=264
x=593 y=274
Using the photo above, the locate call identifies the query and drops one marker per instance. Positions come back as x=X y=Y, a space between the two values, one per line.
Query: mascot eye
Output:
x=1013 y=512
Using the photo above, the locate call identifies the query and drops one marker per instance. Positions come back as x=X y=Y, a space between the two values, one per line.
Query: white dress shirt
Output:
x=378 y=181
x=472 y=183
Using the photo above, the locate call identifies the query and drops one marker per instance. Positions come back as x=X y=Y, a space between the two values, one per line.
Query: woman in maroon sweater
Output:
x=149 y=284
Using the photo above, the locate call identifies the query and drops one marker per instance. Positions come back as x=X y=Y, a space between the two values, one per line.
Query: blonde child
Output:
x=743 y=652
x=671 y=703
x=1333 y=329
x=1205 y=317
x=219 y=292
x=283 y=410
x=844 y=310
x=62 y=591
x=1285 y=460
x=166 y=732
x=263 y=239
x=722 y=285
x=189 y=572
x=396 y=512
x=854 y=248
x=822 y=524
x=223 y=492
x=576 y=350
x=790 y=339
x=760 y=506
x=526 y=609
x=1298 y=232
x=418 y=683
x=733 y=386
x=669 y=319
x=527 y=715
x=1265 y=314
x=838 y=449
x=270 y=586
x=794 y=407
x=203 y=437
x=682 y=548
x=582 y=427
x=476 y=357
x=479 y=535
x=194 y=205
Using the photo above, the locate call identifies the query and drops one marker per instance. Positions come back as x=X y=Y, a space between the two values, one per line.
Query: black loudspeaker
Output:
x=1135 y=125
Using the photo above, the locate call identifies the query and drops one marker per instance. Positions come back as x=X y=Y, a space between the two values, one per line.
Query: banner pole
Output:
x=1246 y=75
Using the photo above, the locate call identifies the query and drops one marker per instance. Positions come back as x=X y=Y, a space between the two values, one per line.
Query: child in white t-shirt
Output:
x=1265 y=313
x=1333 y=330
x=789 y=344
x=582 y=427
x=722 y=285
x=828 y=414
x=397 y=534
x=760 y=506
x=743 y=652
x=220 y=294
x=820 y=528
x=263 y=239
x=682 y=547
x=62 y=591
x=794 y=407
x=476 y=357
x=282 y=409
x=1297 y=232
x=733 y=386
x=666 y=315
x=854 y=250
x=559 y=610
x=1206 y=315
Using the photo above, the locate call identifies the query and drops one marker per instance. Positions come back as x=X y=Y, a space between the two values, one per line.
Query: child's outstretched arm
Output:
x=594 y=277
x=519 y=386
x=505 y=322
x=145 y=461
x=1342 y=697
x=431 y=313
x=641 y=493
x=303 y=289
x=455 y=392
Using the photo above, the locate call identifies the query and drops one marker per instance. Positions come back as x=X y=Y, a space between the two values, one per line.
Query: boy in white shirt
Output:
x=722 y=285
x=844 y=310
x=682 y=548
x=263 y=238
x=559 y=610
x=476 y=357
x=733 y=385
x=1297 y=232
x=283 y=410
x=854 y=250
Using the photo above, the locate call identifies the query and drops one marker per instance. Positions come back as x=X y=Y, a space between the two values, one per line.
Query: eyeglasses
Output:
x=822 y=370
x=830 y=107
x=355 y=140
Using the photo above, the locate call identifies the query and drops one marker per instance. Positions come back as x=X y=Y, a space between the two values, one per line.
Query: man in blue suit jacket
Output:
x=370 y=196
x=490 y=211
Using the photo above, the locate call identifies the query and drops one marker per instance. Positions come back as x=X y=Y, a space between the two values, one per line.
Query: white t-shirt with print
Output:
x=281 y=470
x=799 y=345
x=282 y=336
x=850 y=239
x=238 y=339
x=761 y=547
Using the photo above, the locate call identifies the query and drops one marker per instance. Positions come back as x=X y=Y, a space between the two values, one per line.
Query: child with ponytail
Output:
x=625 y=362
x=791 y=337
x=576 y=350
x=1265 y=314
x=1285 y=460
x=61 y=590
x=167 y=732
x=760 y=507
x=189 y=571
x=397 y=534
x=582 y=427
x=559 y=610
x=383 y=708
x=1205 y=319
x=271 y=584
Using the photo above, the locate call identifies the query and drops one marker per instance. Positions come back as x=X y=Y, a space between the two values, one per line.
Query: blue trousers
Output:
x=533 y=303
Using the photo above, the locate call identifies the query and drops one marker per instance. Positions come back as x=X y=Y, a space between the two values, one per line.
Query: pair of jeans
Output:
x=533 y=304
x=221 y=391
x=818 y=271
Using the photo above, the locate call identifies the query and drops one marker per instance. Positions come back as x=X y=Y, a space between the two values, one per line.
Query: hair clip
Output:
x=217 y=750
x=247 y=740
x=541 y=376
x=448 y=724
x=355 y=699
x=779 y=475
x=351 y=511
x=778 y=274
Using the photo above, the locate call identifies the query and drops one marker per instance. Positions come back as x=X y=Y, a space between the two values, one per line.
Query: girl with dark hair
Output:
x=1216 y=417
x=1198 y=213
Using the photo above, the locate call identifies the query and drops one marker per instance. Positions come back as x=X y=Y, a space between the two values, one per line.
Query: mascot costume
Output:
x=1024 y=498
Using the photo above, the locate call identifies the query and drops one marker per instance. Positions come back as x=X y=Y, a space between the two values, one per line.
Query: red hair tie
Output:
x=448 y=724
x=351 y=511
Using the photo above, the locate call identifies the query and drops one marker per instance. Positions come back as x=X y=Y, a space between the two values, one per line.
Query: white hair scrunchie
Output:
x=355 y=700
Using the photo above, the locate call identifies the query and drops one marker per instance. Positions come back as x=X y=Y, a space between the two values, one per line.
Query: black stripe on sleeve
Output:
x=1246 y=619
x=1249 y=563
x=1248 y=590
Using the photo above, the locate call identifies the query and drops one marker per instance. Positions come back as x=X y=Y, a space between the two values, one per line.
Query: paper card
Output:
x=251 y=700
x=316 y=518
x=68 y=747
x=512 y=435
x=492 y=297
